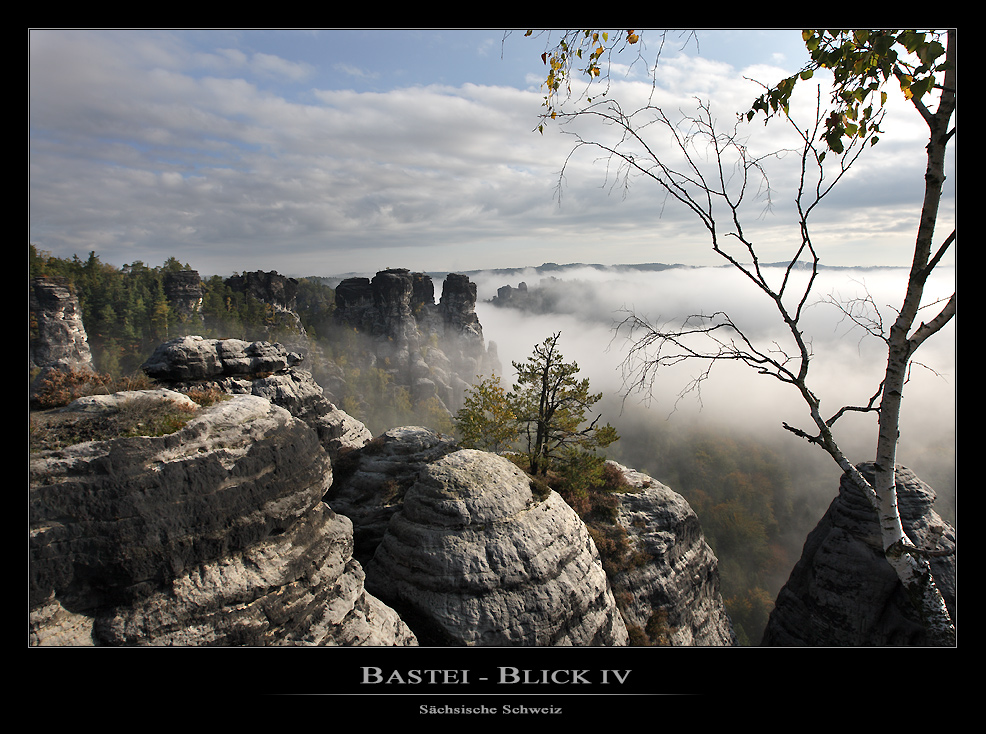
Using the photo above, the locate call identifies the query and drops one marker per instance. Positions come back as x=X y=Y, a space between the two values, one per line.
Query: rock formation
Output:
x=842 y=592
x=671 y=590
x=254 y=523
x=213 y=535
x=264 y=369
x=370 y=482
x=550 y=295
x=279 y=293
x=58 y=336
x=183 y=289
x=436 y=350
x=269 y=287
x=509 y=296
x=672 y=583
x=475 y=557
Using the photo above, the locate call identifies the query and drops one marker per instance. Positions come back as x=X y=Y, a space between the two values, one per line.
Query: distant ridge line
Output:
x=551 y=267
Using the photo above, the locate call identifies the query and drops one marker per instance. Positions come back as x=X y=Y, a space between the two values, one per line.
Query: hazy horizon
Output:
x=846 y=366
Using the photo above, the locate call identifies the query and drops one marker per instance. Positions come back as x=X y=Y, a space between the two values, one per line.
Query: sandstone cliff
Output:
x=58 y=339
x=252 y=525
x=280 y=294
x=234 y=366
x=225 y=532
x=668 y=593
x=183 y=289
x=59 y=336
x=671 y=592
x=369 y=484
x=842 y=592
x=476 y=557
x=213 y=535
x=436 y=350
x=432 y=351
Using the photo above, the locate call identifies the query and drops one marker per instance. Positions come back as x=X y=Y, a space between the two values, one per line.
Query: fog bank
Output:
x=846 y=369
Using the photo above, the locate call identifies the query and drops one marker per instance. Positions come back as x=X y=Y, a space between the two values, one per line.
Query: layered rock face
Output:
x=214 y=535
x=59 y=338
x=842 y=592
x=474 y=557
x=270 y=287
x=183 y=289
x=264 y=369
x=673 y=585
x=673 y=592
x=278 y=291
x=437 y=350
x=369 y=483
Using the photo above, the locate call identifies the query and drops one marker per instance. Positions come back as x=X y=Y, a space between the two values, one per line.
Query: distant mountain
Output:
x=556 y=269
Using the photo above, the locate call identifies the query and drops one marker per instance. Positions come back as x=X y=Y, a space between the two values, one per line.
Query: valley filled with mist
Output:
x=757 y=488
x=588 y=303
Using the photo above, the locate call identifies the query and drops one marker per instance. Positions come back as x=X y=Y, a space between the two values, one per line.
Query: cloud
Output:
x=846 y=368
x=355 y=71
x=144 y=146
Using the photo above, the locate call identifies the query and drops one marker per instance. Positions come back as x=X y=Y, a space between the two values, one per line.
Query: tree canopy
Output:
x=862 y=62
x=547 y=410
x=486 y=420
x=551 y=405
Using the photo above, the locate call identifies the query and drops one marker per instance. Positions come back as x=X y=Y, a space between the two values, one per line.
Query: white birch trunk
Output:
x=913 y=569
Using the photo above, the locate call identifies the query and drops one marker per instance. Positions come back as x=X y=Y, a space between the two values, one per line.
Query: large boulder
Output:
x=475 y=556
x=215 y=534
x=190 y=358
x=259 y=368
x=842 y=592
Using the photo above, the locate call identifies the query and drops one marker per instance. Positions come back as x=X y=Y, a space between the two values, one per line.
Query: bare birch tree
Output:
x=713 y=174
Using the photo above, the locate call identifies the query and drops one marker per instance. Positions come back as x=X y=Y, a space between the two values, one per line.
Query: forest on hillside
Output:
x=127 y=314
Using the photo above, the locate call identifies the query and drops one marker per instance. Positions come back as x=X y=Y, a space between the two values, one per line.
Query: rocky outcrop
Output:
x=265 y=369
x=279 y=293
x=183 y=289
x=193 y=358
x=507 y=295
x=435 y=350
x=550 y=295
x=842 y=592
x=476 y=557
x=58 y=336
x=669 y=591
x=269 y=287
x=213 y=535
x=249 y=527
x=370 y=482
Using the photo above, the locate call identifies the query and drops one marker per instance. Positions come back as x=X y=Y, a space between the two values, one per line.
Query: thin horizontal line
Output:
x=474 y=695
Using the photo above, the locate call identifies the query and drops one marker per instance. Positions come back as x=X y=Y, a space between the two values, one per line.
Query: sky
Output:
x=324 y=152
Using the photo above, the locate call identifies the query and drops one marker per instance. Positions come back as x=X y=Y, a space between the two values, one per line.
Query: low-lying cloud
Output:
x=846 y=369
